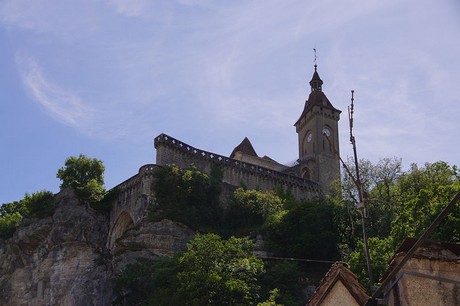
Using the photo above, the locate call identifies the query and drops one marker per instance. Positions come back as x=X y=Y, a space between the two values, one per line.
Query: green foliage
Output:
x=381 y=252
x=211 y=272
x=272 y=299
x=399 y=205
x=220 y=272
x=379 y=185
x=423 y=194
x=39 y=204
x=188 y=196
x=306 y=231
x=258 y=203
x=251 y=209
x=8 y=224
x=11 y=208
x=105 y=204
x=85 y=175
x=285 y=276
x=149 y=282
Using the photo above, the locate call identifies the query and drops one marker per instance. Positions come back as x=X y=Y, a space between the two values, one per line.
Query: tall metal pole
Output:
x=362 y=199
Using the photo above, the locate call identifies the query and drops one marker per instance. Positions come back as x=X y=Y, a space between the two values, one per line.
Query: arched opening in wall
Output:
x=306 y=174
x=123 y=223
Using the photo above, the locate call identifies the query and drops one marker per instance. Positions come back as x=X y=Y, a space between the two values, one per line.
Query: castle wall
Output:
x=133 y=198
x=136 y=193
x=235 y=172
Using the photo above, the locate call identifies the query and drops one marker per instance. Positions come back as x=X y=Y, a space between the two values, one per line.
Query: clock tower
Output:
x=318 y=134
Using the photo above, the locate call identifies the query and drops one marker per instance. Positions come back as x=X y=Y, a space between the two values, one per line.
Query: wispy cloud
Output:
x=60 y=103
x=132 y=8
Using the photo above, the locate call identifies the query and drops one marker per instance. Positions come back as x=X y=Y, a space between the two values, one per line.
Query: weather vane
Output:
x=314 y=49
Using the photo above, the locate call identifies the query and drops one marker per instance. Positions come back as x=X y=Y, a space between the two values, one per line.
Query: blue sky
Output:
x=104 y=77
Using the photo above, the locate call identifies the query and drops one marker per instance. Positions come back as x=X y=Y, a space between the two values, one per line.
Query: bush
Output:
x=39 y=204
x=8 y=224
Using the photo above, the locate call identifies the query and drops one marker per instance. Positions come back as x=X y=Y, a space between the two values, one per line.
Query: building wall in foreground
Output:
x=425 y=281
x=339 y=296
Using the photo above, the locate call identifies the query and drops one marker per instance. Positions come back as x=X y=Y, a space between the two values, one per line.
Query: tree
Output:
x=250 y=209
x=381 y=252
x=220 y=272
x=149 y=282
x=274 y=294
x=288 y=278
x=378 y=181
x=422 y=194
x=399 y=205
x=188 y=196
x=306 y=231
x=85 y=175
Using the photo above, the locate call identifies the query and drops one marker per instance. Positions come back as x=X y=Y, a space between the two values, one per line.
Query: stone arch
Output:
x=307 y=170
x=123 y=223
x=306 y=173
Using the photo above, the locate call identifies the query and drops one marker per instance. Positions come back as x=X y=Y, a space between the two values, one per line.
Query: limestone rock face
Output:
x=57 y=260
x=64 y=259
x=151 y=240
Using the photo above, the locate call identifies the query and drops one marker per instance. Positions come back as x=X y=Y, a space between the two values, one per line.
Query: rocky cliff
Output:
x=64 y=259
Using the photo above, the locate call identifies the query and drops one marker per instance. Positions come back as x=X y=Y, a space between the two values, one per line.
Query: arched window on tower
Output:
x=308 y=143
x=328 y=139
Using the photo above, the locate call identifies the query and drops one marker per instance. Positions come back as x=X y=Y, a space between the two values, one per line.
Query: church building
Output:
x=316 y=168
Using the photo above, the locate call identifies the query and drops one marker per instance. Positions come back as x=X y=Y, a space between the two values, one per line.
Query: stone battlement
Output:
x=235 y=172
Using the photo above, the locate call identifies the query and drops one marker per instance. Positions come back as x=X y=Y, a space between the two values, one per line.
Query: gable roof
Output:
x=429 y=249
x=244 y=147
x=339 y=272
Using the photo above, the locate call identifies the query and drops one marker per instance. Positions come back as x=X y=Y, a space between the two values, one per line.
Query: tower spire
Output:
x=316 y=82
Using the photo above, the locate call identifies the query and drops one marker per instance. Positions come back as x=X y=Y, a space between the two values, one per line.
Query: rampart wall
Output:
x=172 y=151
x=134 y=195
x=132 y=199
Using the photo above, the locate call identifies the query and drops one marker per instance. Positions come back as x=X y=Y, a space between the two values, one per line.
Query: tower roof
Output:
x=316 y=81
x=245 y=147
x=317 y=96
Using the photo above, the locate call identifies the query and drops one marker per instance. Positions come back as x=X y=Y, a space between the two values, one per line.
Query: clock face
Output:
x=309 y=137
x=326 y=131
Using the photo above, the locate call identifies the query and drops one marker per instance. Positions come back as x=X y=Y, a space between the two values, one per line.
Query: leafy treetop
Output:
x=85 y=175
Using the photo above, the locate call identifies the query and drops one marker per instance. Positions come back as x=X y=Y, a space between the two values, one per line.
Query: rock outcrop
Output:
x=64 y=260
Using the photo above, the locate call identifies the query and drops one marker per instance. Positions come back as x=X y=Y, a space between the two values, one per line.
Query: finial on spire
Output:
x=314 y=49
x=316 y=81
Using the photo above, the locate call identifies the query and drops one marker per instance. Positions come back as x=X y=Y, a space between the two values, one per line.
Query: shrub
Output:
x=8 y=224
x=39 y=204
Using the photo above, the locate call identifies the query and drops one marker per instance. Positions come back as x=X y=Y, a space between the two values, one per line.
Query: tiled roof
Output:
x=244 y=147
x=430 y=249
x=337 y=272
x=316 y=97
